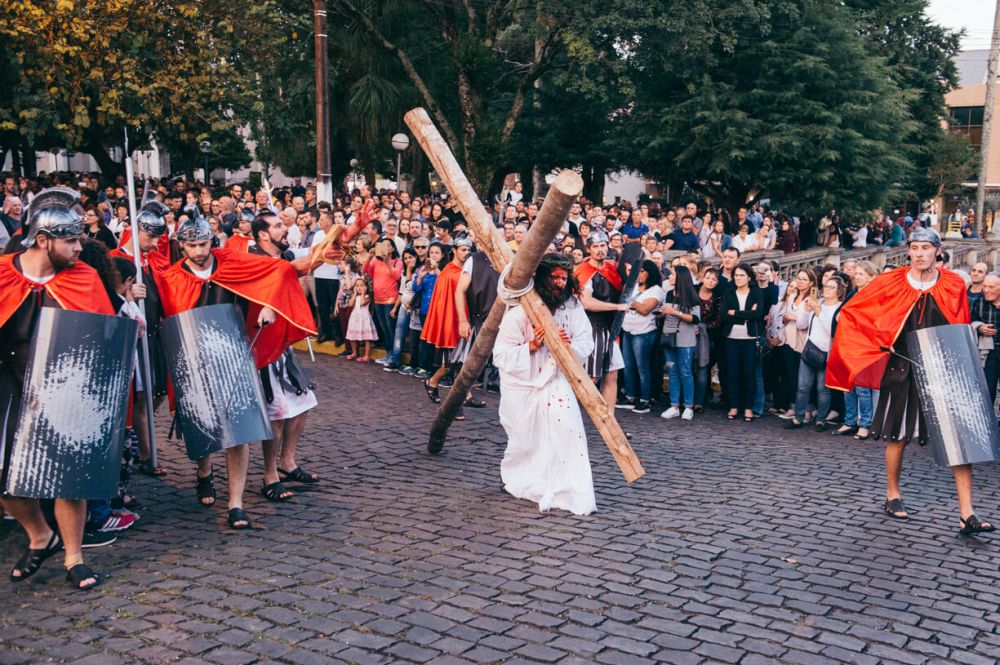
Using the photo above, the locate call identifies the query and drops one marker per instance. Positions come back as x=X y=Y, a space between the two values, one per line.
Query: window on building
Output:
x=967 y=120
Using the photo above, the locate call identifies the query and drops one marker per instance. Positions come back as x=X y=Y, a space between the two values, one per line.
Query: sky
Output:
x=976 y=16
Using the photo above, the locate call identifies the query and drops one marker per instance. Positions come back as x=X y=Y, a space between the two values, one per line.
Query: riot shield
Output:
x=71 y=427
x=961 y=426
x=220 y=402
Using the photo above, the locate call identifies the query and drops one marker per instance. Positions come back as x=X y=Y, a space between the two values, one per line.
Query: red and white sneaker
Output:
x=118 y=520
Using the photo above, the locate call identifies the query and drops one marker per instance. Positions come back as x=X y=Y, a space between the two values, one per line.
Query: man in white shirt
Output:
x=327 y=280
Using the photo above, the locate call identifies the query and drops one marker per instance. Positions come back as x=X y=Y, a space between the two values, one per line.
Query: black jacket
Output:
x=752 y=314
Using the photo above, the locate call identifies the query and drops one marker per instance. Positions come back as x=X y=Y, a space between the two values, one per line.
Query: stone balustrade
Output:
x=964 y=253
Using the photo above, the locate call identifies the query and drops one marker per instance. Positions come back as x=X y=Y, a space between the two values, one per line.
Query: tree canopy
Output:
x=811 y=103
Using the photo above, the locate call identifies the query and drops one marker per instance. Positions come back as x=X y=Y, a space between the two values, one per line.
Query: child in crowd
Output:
x=350 y=270
x=361 y=325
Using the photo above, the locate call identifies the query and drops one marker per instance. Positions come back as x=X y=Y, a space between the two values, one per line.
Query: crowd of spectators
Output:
x=700 y=319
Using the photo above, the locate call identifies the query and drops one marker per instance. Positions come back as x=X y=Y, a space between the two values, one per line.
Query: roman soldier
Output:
x=152 y=231
x=601 y=287
x=46 y=274
x=268 y=294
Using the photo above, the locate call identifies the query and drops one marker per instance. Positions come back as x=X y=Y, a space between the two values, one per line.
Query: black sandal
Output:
x=474 y=403
x=298 y=475
x=32 y=560
x=238 y=515
x=79 y=574
x=277 y=492
x=145 y=468
x=974 y=525
x=432 y=393
x=205 y=487
x=847 y=430
x=893 y=507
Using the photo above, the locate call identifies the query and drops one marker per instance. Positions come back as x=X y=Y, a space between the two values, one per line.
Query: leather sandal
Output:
x=79 y=574
x=32 y=560
x=973 y=525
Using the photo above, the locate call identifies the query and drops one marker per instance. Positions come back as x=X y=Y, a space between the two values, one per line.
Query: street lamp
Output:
x=354 y=174
x=205 y=148
x=400 y=142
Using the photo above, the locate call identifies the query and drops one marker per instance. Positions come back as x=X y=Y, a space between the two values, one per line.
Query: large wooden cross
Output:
x=567 y=186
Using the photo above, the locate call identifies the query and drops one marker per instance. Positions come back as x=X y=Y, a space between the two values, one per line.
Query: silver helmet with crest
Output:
x=54 y=212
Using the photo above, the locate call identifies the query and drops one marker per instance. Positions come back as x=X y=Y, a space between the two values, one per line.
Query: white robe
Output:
x=546 y=459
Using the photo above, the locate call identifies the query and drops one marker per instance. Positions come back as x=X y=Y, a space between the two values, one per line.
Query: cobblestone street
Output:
x=742 y=544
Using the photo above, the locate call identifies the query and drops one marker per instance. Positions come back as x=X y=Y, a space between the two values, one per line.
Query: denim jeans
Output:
x=98 y=512
x=758 y=395
x=636 y=350
x=402 y=327
x=858 y=408
x=386 y=326
x=808 y=378
x=680 y=373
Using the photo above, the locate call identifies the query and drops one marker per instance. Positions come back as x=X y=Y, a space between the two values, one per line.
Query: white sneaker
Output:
x=672 y=412
x=688 y=414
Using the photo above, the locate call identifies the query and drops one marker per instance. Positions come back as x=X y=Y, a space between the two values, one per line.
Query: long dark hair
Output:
x=95 y=255
x=685 y=294
x=546 y=266
x=653 y=276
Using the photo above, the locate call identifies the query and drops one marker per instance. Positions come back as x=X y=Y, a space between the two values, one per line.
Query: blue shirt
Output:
x=634 y=232
x=685 y=242
x=424 y=290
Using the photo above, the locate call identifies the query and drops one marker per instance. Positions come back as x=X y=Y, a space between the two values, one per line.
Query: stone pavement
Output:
x=743 y=543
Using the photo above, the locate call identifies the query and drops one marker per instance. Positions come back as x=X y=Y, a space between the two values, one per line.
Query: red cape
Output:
x=238 y=243
x=441 y=325
x=608 y=270
x=162 y=243
x=263 y=281
x=874 y=318
x=78 y=288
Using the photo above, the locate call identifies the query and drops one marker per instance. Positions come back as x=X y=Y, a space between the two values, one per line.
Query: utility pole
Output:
x=324 y=188
x=991 y=86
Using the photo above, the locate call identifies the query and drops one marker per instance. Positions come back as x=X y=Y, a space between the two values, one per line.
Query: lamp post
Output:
x=400 y=142
x=354 y=174
x=205 y=148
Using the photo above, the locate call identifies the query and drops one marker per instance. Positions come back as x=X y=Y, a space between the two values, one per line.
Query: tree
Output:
x=793 y=106
x=954 y=162
x=476 y=74
x=921 y=59
x=172 y=70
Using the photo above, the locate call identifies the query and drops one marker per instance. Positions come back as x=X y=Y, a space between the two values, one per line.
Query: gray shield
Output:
x=220 y=402
x=961 y=426
x=71 y=427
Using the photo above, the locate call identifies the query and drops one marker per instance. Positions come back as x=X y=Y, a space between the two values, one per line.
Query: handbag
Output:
x=669 y=340
x=812 y=356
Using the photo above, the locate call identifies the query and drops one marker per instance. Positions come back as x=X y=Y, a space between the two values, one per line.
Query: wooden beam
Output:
x=490 y=239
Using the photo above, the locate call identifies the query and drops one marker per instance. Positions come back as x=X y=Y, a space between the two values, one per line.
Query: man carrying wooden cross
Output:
x=546 y=460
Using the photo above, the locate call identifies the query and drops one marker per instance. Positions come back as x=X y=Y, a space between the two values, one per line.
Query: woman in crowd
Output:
x=639 y=336
x=818 y=320
x=792 y=338
x=709 y=305
x=717 y=241
x=438 y=256
x=788 y=238
x=765 y=235
x=744 y=240
x=401 y=311
x=742 y=323
x=97 y=230
x=860 y=402
x=216 y=226
x=682 y=310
